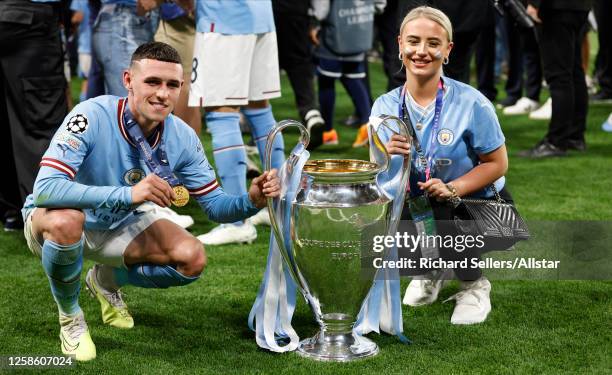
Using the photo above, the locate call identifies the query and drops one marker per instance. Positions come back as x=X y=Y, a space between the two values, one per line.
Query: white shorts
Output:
x=103 y=246
x=231 y=70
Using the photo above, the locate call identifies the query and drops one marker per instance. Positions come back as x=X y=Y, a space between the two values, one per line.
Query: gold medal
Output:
x=182 y=195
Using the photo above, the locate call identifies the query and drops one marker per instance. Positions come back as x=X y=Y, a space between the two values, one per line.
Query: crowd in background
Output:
x=47 y=42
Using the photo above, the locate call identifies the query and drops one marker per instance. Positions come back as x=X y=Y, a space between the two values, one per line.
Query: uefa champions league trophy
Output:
x=325 y=236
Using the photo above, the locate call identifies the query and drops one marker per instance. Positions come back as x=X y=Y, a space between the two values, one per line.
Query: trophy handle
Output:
x=379 y=154
x=291 y=162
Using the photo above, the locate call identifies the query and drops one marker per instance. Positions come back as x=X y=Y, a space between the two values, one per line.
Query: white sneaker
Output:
x=521 y=107
x=423 y=290
x=473 y=302
x=260 y=218
x=229 y=233
x=184 y=221
x=607 y=125
x=251 y=150
x=75 y=338
x=542 y=113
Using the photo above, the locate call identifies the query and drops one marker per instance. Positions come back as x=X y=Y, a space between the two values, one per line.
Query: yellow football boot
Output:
x=114 y=310
x=75 y=337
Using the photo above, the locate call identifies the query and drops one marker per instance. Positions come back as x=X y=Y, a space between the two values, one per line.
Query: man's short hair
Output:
x=156 y=51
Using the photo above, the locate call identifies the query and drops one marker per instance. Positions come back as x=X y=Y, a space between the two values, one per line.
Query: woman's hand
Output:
x=436 y=188
x=398 y=145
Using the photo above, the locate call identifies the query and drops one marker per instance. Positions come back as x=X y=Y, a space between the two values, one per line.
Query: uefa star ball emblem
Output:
x=77 y=124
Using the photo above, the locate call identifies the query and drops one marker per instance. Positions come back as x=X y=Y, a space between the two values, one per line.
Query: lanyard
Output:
x=427 y=157
x=162 y=169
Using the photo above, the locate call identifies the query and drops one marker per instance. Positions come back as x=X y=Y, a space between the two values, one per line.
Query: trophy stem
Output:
x=336 y=342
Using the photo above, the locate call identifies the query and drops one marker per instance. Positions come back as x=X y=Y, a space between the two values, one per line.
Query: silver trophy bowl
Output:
x=334 y=217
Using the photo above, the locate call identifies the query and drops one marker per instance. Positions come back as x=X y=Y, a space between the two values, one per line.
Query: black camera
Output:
x=517 y=12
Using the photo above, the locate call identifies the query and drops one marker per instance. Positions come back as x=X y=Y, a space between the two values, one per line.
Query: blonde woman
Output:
x=461 y=151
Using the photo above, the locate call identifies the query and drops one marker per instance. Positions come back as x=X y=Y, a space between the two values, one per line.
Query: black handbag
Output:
x=497 y=221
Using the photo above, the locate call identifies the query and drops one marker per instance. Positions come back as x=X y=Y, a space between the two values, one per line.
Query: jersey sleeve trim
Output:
x=203 y=190
x=59 y=165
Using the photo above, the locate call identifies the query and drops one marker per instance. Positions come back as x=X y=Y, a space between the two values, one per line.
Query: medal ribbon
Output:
x=405 y=116
x=162 y=169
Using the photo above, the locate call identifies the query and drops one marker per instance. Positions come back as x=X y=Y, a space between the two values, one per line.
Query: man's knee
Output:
x=258 y=104
x=190 y=257
x=63 y=226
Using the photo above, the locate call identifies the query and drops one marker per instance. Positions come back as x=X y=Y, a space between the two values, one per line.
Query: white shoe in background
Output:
x=183 y=221
x=542 y=113
x=260 y=218
x=521 y=107
x=473 y=302
x=229 y=233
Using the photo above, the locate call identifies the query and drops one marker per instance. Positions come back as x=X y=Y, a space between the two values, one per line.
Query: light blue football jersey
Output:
x=233 y=17
x=92 y=164
x=468 y=127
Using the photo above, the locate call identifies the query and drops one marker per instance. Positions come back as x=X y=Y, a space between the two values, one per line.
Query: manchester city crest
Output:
x=133 y=176
x=445 y=137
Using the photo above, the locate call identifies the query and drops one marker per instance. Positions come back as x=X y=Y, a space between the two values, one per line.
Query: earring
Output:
x=400 y=56
x=445 y=61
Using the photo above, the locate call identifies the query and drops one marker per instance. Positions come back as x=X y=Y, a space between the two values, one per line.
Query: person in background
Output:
x=235 y=64
x=561 y=28
x=32 y=96
x=342 y=42
x=523 y=60
x=177 y=29
x=292 y=21
x=603 y=10
x=80 y=19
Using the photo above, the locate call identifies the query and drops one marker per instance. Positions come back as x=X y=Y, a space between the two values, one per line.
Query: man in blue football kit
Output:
x=103 y=165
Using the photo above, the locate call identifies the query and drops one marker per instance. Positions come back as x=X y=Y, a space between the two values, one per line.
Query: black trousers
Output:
x=32 y=93
x=387 y=30
x=523 y=58
x=485 y=62
x=458 y=66
x=295 y=57
x=561 y=34
x=603 y=10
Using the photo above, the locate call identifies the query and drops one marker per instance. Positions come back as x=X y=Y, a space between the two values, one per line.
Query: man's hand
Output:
x=153 y=189
x=267 y=185
x=144 y=6
x=314 y=35
x=533 y=13
x=398 y=145
x=186 y=4
x=436 y=188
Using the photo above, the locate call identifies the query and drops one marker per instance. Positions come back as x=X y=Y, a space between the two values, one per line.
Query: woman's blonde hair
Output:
x=430 y=13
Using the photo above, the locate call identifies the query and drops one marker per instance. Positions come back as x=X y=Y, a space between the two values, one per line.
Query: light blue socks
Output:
x=228 y=151
x=63 y=265
x=148 y=275
x=262 y=121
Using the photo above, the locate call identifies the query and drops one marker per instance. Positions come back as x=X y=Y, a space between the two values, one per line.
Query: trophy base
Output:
x=337 y=347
